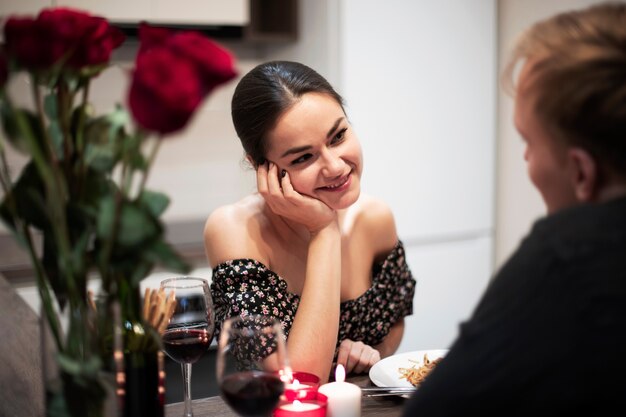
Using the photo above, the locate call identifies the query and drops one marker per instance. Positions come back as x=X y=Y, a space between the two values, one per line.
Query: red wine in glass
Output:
x=251 y=357
x=252 y=393
x=186 y=345
x=190 y=328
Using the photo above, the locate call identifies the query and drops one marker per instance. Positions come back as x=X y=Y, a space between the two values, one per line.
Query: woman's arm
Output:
x=390 y=344
x=313 y=335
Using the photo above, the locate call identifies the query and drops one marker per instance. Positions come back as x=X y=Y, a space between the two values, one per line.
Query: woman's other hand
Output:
x=285 y=201
x=356 y=357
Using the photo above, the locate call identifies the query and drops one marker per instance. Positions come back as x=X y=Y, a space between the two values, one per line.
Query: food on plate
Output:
x=416 y=373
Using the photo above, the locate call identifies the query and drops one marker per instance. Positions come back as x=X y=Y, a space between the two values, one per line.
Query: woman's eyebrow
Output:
x=296 y=150
x=307 y=147
x=332 y=129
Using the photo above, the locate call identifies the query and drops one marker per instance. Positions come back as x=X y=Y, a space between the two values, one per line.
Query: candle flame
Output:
x=340 y=373
x=286 y=375
x=297 y=405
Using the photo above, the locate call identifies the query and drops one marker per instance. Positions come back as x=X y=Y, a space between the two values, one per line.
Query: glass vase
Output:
x=75 y=381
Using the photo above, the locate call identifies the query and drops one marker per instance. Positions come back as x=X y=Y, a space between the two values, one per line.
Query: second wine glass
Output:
x=190 y=330
x=252 y=364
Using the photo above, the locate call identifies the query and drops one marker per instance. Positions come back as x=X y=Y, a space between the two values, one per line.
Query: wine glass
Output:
x=252 y=364
x=190 y=330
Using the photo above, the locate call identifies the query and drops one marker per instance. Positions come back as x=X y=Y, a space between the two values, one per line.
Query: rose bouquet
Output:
x=80 y=205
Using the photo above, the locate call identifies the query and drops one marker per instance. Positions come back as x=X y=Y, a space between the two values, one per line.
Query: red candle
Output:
x=312 y=407
x=303 y=386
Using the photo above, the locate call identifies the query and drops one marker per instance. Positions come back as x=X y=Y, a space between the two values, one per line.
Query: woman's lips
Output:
x=341 y=185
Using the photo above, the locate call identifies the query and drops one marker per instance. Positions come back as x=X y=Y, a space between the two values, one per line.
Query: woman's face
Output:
x=314 y=142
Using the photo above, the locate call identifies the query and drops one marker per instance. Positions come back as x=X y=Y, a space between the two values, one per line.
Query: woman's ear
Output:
x=252 y=163
x=585 y=175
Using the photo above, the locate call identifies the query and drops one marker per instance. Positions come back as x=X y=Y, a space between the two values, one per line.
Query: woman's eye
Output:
x=339 y=136
x=301 y=159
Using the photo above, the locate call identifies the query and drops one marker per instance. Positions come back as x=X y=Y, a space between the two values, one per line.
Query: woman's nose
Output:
x=333 y=165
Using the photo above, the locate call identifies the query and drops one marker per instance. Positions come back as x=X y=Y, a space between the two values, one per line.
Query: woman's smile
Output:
x=341 y=185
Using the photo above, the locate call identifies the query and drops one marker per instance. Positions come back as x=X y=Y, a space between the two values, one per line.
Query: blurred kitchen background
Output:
x=421 y=82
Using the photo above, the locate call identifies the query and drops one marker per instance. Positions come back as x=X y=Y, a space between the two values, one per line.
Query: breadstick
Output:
x=147 y=301
x=92 y=303
x=170 y=305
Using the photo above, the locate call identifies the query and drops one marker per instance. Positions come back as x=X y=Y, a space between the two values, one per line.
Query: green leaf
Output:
x=136 y=226
x=50 y=106
x=131 y=148
x=15 y=135
x=162 y=253
x=154 y=202
x=50 y=261
x=97 y=131
x=28 y=196
x=102 y=158
x=118 y=119
x=79 y=249
x=95 y=185
x=56 y=136
x=106 y=217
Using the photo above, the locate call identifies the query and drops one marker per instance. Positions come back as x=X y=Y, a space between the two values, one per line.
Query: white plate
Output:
x=385 y=373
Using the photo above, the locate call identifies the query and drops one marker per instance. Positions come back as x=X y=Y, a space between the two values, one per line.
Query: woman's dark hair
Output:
x=267 y=91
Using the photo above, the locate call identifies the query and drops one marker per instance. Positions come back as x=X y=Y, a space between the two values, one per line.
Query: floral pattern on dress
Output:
x=247 y=286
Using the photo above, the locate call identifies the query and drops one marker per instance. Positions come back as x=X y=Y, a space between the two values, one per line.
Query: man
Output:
x=549 y=335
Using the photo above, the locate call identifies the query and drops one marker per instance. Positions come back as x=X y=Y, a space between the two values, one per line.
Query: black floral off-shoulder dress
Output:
x=246 y=286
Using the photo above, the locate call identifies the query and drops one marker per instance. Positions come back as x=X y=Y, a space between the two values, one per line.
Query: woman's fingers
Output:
x=368 y=358
x=356 y=357
x=273 y=183
x=261 y=179
x=288 y=190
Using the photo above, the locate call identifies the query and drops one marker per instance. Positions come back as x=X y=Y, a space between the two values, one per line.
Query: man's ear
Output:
x=585 y=175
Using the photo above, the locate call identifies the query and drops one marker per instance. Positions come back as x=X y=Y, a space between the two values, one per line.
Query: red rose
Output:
x=214 y=63
x=97 y=44
x=26 y=43
x=151 y=36
x=61 y=33
x=165 y=91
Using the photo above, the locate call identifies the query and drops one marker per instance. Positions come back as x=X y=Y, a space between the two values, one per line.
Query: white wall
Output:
x=419 y=81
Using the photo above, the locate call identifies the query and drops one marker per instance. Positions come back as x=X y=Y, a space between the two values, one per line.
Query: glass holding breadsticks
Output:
x=187 y=325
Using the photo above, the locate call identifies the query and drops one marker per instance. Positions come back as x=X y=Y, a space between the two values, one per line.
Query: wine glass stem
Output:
x=187 y=389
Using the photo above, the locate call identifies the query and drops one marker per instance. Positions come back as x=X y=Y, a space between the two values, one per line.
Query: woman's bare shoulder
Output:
x=229 y=230
x=375 y=219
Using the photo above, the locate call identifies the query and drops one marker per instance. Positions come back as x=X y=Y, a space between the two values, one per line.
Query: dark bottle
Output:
x=142 y=391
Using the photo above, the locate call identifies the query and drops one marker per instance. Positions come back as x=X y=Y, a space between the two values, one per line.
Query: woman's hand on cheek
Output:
x=280 y=195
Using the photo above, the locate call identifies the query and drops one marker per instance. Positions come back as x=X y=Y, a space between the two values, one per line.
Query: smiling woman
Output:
x=309 y=248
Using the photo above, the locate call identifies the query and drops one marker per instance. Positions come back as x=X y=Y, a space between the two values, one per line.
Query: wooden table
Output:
x=389 y=406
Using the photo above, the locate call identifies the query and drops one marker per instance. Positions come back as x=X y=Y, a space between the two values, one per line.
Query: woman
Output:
x=308 y=248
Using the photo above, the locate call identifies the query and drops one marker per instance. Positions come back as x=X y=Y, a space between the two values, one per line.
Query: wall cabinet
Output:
x=22 y=7
x=196 y=12
x=248 y=20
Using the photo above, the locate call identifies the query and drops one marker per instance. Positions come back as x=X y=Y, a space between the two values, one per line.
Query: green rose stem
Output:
x=56 y=198
x=80 y=138
x=151 y=158
x=64 y=106
x=22 y=229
